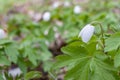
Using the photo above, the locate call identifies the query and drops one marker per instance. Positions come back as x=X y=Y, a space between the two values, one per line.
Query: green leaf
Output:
x=65 y=60
x=73 y=53
x=101 y=70
x=4 y=41
x=74 y=50
x=4 y=61
x=32 y=75
x=45 y=53
x=117 y=59
x=113 y=42
x=83 y=67
x=101 y=74
x=12 y=53
x=22 y=65
x=31 y=55
x=91 y=47
x=1 y=76
x=104 y=65
x=82 y=71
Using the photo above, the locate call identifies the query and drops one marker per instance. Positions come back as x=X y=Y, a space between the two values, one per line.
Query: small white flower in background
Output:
x=46 y=16
x=37 y=17
x=86 y=33
x=57 y=35
x=67 y=4
x=47 y=43
x=77 y=9
x=56 y=4
x=97 y=46
x=15 y=72
x=34 y=15
x=3 y=34
x=55 y=29
x=46 y=32
x=31 y=13
x=59 y=23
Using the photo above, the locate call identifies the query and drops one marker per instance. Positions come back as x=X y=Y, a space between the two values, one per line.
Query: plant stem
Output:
x=102 y=33
x=52 y=75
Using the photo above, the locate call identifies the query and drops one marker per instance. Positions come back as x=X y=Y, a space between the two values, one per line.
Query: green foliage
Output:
x=113 y=42
x=117 y=59
x=32 y=75
x=1 y=77
x=12 y=53
x=28 y=46
x=4 y=60
x=83 y=64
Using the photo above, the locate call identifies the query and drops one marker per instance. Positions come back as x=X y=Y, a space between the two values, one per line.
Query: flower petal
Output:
x=46 y=16
x=2 y=34
x=77 y=9
x=86 y=33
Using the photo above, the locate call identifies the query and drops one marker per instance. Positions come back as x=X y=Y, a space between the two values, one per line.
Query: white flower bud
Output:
x=77 y=9
x=14 y=72
x=3 y=34
x=86 y=33
x=46 y=16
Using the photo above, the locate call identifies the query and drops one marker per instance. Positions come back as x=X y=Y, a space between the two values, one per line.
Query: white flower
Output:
x=46 y=16
x=77 y=9
x=56 y=4
x=66 y=3
x=37 y=17
x=47 y=43
x=55 y=29
x=86 y=33
x=46 y=32
x=57 y=35
x=3 y=34
x=59 y=23
x=14 y=72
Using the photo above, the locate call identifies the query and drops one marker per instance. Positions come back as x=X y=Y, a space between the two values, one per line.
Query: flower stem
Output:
x=52 y=75
x=102 y=33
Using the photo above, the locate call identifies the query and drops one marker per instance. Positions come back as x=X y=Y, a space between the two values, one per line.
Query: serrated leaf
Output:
x=72 y=55
x=32 y=75
x=31 y=55
x=82 y=71
x=65 y=60
x=74 y=50
x=4 y=41
x=4 y=60
x=12 y=53
x=113 y=42
x=45 y=55
x=83 y=67
x=117 y=59
x=101 y=74
x=22 y=65
x=101 y=71
x=103 y=65
x=91 y=47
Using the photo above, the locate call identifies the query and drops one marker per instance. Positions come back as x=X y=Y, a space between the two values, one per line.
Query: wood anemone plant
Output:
x=91 y=57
